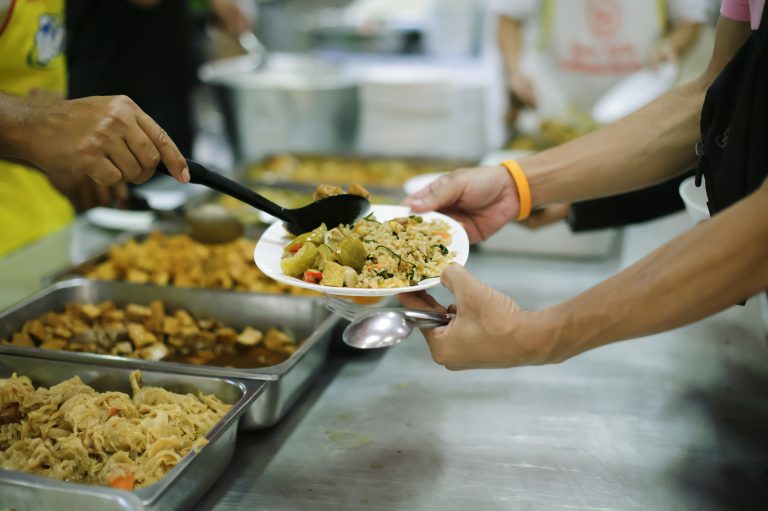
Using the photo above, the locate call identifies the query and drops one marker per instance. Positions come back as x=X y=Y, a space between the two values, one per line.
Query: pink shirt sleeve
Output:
x=737 y=10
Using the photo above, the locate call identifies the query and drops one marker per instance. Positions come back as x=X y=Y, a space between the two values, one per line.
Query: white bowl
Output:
x=695 y=199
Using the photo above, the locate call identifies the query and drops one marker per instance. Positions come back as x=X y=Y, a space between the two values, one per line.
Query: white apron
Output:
x=587 y=46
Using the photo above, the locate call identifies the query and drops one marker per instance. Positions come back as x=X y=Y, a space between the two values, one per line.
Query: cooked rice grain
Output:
x=402 y=253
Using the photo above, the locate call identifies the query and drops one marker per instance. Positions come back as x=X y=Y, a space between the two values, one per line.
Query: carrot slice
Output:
x=124 y=482
x=113 y=411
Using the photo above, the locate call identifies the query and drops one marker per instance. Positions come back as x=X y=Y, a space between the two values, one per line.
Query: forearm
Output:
x=649 y=146
x=510 y=38
x=14 y=132
x=715 y=265
x=682 y=36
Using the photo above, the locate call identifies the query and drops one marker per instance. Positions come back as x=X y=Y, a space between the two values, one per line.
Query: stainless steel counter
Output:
x=673 y=421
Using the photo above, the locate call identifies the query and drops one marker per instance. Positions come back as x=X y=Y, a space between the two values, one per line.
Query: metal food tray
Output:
x=305 y=317
x=243 y=171
x=181 y=487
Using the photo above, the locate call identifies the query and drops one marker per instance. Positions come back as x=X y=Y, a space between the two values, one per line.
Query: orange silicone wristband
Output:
x=523 y=188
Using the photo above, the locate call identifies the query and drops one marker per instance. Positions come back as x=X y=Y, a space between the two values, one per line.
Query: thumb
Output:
x=441 y=193
x=462 y=284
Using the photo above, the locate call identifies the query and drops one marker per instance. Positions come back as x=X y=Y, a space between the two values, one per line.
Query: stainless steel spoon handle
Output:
x=427 y=319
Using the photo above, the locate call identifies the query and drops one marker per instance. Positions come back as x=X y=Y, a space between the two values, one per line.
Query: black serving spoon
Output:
x=331 y=211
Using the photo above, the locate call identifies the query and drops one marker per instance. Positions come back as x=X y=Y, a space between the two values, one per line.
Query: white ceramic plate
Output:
x=269 y=252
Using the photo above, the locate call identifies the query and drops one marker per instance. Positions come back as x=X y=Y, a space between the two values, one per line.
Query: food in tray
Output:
x=74 y=433
x=153 y=333
x=325 y=191
x=178 y=260
x=315 y=169
x=551 y=133
x=370 y=254
x=287 y=198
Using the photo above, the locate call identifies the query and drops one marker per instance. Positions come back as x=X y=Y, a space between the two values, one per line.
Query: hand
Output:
x=547 y=215
x=107 y=138
x=521 y=90
x=85 y=194
x=489 y=331
x=234 y=20
x=664 y=51
x=483 y=199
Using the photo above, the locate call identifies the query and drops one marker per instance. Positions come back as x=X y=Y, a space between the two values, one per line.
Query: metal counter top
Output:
x=673 y=421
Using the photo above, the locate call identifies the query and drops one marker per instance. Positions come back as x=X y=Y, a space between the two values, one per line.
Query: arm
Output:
x=676 y=43
x=648 y=147
x=686 y=280
x=510 y=38
x=108 y=138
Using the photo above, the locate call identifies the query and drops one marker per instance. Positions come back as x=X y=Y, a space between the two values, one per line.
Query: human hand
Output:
x=664 y=51
x=232 y=17
x=107 y=138
x=483 y=199
x=489 y=330
x=84 y=193
x=547 y=215
x=521 y=90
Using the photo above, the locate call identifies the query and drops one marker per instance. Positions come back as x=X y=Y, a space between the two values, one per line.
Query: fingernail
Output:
x=185 y=175
x=419 y=203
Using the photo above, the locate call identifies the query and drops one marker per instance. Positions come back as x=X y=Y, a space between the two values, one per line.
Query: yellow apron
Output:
x=31 y=58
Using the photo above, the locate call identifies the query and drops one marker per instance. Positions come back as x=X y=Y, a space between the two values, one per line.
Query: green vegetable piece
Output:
x=295 y=265
x=443 y=249
x=324 y=256
x=315 y=237
x=352 y=253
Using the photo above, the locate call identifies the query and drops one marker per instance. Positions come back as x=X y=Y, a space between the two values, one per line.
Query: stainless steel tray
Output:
x=243 y=171
x=179 y=489
x=286 y=382
x=23 y=492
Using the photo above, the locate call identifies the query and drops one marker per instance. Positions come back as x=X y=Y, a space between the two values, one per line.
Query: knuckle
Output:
x=112 y=178
x=142 y=177
x=163 y=138
x=122 y=100
x=153 y=160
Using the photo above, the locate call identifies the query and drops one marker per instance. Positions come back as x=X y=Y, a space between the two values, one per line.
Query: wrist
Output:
x=15 y=127
x=548 y=327
x=522 y=188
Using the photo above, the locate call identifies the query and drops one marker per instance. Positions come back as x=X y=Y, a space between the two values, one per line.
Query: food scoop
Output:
x=332 y=211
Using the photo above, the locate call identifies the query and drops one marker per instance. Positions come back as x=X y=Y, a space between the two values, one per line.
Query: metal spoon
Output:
x=381 y=329
x=332 y=211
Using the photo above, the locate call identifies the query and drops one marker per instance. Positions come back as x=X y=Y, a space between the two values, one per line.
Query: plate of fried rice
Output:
x=390 y=251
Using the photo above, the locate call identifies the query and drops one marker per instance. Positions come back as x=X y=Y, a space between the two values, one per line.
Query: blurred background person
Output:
x=148 y=50
x=576 y=50
x=32 y=62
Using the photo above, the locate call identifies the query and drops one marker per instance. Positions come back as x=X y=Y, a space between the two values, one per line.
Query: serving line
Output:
x=673 y=421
